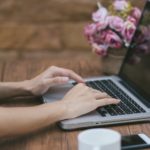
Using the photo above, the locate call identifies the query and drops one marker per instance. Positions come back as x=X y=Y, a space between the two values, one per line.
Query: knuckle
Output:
x=57 y=79
x=43 y=82
x=86 y=88
x=104 y=93
x=80 y=85
x=70 y=70
x=52 y=67
x=91 y=96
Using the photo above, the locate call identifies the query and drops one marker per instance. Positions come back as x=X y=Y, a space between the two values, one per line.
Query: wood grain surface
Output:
x=51 y=138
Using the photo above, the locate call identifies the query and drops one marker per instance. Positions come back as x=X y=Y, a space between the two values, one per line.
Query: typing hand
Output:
x=51 y=77
x=82 y=99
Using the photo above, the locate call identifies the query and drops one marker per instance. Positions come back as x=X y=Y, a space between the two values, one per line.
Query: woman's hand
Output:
x=51 y=77
x=82 y=99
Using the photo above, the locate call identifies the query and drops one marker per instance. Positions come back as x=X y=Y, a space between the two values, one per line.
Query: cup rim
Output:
x=81 y=134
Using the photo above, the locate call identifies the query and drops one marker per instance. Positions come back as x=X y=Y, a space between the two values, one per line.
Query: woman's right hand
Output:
x=82 y=99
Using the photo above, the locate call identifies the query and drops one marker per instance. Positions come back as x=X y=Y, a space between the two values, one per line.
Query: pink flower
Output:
x=136 y=13
x=131 y=19
x=89 y=30
x=100 y=49
x=112 y=39
x=115 y=23
x=99 y=37
x=101 y=25
x=100 y=14
x=120 y=5
x=128 y=31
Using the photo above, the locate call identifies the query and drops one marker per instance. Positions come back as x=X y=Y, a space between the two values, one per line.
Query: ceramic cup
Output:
x=99 y=139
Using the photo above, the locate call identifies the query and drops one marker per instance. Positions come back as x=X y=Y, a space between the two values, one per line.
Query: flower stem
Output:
x=99 y=4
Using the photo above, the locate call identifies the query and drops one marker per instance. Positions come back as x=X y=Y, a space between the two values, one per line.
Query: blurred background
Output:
x=37 y=28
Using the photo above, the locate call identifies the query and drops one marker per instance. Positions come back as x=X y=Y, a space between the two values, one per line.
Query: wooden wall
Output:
x=44 y=25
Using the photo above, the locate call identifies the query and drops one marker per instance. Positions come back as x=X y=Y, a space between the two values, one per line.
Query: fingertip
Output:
x=110 y=101
x=116 y=101
x=80 y=84
x=81 y=81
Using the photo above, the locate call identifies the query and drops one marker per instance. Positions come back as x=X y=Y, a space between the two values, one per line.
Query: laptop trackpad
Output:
x=56 y=93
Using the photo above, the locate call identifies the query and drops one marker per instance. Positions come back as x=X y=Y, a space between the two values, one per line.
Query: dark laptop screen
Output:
x=136 y=68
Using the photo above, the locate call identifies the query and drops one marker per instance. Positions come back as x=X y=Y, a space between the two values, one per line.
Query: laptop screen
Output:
x=136 y=67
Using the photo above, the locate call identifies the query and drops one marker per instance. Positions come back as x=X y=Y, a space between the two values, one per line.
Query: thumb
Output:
x=57 y=81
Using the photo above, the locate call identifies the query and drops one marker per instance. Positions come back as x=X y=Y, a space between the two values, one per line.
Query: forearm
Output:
x=18 y=121
x=14 y=89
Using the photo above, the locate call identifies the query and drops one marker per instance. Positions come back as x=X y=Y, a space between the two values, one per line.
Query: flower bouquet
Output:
x=112 y=28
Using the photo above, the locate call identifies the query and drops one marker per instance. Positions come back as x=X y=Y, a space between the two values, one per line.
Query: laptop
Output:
x=131 y=86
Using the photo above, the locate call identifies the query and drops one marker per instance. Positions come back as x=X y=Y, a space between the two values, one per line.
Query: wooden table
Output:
x=52 y=138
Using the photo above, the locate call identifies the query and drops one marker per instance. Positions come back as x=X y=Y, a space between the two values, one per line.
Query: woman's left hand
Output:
x=51 y=77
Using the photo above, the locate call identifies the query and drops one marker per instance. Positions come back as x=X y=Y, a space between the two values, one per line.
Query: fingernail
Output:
x=118 y=100
x=65 y=79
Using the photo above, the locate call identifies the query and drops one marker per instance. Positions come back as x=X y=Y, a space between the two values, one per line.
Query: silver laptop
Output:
x=131 y=86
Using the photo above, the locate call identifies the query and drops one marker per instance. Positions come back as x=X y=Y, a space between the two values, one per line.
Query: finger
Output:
x=99 y=95
x=82 y=88
x=57 y=81
x=69 y=73
x=98 y=91
x=72 y=75
x=107 y=101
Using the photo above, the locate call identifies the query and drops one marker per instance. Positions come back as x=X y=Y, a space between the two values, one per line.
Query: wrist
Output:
x=66 y=111
x=31 y=87
x=54 y=112
x=62 y=110
x=14 y=89
x=26 y=88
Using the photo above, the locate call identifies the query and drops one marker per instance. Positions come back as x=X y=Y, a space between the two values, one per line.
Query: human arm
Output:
x=18 y=121
x=38 y=85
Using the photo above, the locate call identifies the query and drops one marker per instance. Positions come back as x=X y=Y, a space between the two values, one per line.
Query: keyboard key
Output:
x=126 y=106
x=102 y=112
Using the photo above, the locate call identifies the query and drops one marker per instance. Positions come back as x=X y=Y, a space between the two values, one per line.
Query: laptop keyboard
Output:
x=127 y=104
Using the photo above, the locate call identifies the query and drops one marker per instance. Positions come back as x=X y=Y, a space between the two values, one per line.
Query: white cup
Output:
x=99 y=139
